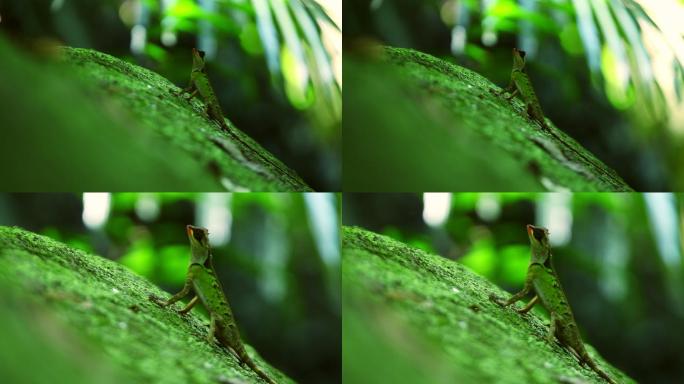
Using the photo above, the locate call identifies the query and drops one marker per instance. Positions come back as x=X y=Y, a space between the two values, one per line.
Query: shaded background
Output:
x=619 y=257
x=277 y=256
x=610 y=74
x=275 y=66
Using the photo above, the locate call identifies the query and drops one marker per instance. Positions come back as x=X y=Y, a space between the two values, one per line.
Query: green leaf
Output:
x=268 y=34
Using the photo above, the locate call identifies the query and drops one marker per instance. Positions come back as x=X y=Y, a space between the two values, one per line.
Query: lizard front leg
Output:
x=510 y=88
x=187 y=287
x=512 y=94
x=188 y=307
x=518 y=296
x=529 y=305
x=212 y=330
x=551 y=337
x=191 y=89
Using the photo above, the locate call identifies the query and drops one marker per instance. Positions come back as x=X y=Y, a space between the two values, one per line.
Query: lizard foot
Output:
x=496 y=299
x=157 y=300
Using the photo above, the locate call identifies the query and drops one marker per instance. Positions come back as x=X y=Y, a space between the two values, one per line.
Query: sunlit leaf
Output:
x=464 y=201
x=678 y=80
x=268 y=34
x=619 y=95
x=140 y=257
x=297 y=90
x=320 y=13
x=314 y=40
x=184 y=9
x=631 y=30
x=422 y=244
x=513 y=261
x=249 y=39
x=155 y=52
x=173 y=263
x=618 y=68
x=481 y=257
x=293 y=51
x=476 y=53
x=589 y=34
x=80 y=243
x=570 y=39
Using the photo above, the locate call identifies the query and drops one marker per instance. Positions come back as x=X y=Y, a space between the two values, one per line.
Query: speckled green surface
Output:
x=101 y=322
x=411 y=314
x=453 y=111
x=152 y=103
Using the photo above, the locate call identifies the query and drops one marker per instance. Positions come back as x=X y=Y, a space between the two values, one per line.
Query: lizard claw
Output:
x=496 y=299
x=157 y=300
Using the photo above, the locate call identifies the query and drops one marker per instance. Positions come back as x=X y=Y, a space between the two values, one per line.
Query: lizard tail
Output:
x=585 y=358
x=245 y=359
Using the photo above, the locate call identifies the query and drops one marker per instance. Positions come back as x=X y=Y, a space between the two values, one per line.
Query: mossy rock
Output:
x=421 y=123
x=73 y=317
x=410 y=316
x=80 y=119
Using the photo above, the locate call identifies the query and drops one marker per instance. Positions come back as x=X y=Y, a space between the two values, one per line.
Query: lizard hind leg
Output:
x=529 y=305
x=188 y=307
x=578 y=356
x=551 y=336
x=512 y=94
x=212 y=330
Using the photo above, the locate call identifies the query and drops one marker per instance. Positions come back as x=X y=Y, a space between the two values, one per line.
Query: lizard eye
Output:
x=201 y=53
x=522 y=53
x=538 y=234
x=198 y=235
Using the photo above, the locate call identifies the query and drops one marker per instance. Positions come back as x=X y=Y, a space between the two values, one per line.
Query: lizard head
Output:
x=197 y=60
x=518 y=59
x=539 y=241
x=199 y=244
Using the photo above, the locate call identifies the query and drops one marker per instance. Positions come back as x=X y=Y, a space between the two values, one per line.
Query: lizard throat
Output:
x=200 y=255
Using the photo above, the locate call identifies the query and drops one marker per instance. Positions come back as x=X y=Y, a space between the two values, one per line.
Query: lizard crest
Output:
x=518 y=60
x=197 y=60
x=539 y=241
x=199 y=244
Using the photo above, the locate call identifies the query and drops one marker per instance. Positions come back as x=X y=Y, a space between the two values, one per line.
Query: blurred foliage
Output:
x=619 y=257
x=274 y=64
x=609 y=72
x=288 y=33
x=284 y=293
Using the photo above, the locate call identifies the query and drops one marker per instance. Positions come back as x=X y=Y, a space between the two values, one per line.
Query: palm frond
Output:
x=290 y=33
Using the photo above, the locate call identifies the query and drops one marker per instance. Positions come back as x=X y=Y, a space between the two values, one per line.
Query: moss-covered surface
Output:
x=85 y=120
x=414 y=122
x=75 y=317
x=410 y=315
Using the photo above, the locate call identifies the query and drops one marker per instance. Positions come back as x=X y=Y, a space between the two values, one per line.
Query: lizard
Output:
x=520 y=83
x=203 y=282
x=543 y=280
x=199 y=84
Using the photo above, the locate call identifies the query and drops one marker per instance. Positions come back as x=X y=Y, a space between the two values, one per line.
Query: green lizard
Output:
x=199 y=84
x=202 y=281
x=520 y=82
x=543 y=280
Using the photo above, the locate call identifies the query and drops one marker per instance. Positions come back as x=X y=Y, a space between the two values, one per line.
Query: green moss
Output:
x=433 y=125
x=92 y=317
x=413 y=314
x=156 y=106
x=83 y=120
